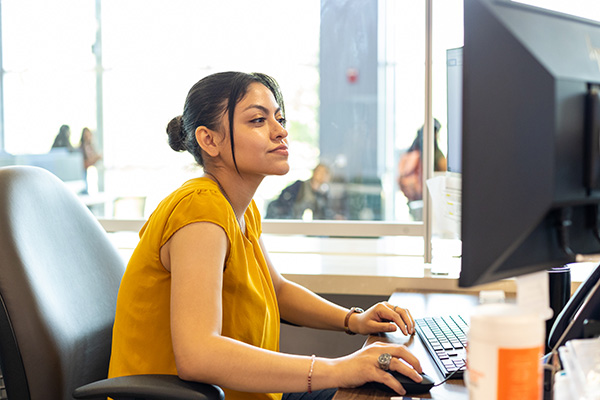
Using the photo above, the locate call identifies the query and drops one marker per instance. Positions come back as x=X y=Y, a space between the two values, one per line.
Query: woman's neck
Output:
x=237 y=190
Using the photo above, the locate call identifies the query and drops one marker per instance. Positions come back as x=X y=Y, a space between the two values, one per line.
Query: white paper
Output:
x=445 y=192
x=533 y=293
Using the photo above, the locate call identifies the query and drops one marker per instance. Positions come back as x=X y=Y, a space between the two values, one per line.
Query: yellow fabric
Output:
x=141 y=334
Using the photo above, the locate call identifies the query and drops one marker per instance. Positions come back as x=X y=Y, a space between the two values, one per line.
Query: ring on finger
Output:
x=394 y=309
x=384 y=361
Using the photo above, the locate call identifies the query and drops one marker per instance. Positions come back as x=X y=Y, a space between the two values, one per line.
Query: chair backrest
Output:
x=59 y=277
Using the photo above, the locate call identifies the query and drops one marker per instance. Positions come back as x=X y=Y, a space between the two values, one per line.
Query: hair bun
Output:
x=176 y=134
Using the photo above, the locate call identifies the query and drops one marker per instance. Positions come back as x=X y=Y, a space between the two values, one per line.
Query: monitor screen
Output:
x=530 y=148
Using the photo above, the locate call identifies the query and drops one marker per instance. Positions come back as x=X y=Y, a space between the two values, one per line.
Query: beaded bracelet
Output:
x=310 y=372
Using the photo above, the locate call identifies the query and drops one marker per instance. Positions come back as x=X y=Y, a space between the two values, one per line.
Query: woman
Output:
x=86 y=144
x=200 y=297
x=63 y=138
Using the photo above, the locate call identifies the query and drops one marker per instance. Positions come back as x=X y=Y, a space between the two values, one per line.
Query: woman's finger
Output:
x=405 y=321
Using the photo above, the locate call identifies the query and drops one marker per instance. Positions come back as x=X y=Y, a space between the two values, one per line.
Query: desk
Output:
x=420 y=304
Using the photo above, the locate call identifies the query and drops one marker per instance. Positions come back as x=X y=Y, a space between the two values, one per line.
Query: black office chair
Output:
x=59 y=276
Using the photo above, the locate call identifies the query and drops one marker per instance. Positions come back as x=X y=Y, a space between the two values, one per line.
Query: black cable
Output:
x=565 y=222
x=450 y=376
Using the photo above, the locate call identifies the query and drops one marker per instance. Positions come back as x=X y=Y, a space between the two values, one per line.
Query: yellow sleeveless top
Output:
x=141 y=333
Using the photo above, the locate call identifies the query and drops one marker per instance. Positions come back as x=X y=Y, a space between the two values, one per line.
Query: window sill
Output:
x=368 y=266
x=384 y=275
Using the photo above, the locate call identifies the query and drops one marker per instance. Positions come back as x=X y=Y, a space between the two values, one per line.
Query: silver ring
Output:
x=384 y=361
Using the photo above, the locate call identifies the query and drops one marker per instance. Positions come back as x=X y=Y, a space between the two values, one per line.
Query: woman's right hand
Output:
x=362 y=366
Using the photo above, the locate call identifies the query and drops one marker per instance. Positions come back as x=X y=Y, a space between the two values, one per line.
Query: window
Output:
x=353 y=75
x=48 y=72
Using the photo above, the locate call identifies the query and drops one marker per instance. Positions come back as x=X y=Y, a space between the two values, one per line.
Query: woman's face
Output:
x=260 y=138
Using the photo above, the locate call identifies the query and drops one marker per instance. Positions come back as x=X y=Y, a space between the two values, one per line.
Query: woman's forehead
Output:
x=257 y=96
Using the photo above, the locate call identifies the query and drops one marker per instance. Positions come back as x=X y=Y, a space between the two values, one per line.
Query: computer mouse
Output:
x=408 y=384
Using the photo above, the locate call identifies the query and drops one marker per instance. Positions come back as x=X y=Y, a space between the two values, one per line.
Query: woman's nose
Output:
x=279 y=131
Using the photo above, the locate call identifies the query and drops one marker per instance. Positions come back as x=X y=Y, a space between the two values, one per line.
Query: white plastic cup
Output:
x=504 y=352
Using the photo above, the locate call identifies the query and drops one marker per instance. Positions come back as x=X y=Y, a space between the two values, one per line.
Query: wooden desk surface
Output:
x=421 y=304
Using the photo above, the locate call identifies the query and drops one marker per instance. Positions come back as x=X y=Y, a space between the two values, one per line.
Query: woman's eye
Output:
x=258 y=120
x=282 y=121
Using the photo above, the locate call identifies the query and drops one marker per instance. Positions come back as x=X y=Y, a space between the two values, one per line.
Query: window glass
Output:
x=49 y=77
x=352 y=74
x=447 y=35
x=447 y=42
x=352 y=80
x=405 y=105
x=154 y=53
x=370 y=106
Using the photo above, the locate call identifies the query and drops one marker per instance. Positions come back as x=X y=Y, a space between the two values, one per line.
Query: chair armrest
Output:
x=149 y=387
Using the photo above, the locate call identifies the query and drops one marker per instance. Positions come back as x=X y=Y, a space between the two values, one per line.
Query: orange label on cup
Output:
x=520 y=373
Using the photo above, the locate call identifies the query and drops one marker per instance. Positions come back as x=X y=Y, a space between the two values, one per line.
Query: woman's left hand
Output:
x=382 y=317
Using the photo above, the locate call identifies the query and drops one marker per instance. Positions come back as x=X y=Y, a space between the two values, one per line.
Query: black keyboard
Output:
x=446 y=339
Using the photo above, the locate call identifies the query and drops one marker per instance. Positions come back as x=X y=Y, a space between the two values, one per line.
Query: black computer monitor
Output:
x=530 y=149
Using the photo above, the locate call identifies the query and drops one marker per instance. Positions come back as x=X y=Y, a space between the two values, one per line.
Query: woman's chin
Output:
x=283 y=170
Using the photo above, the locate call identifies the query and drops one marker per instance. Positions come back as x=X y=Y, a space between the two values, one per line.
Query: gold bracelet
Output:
x=310 y=372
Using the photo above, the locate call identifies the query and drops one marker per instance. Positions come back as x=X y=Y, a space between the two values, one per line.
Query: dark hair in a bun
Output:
x=208 y=101
x=176 y=134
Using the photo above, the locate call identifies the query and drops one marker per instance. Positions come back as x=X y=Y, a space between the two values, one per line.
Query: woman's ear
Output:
x=207 y=141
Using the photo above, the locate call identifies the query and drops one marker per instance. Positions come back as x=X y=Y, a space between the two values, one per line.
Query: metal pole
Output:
x=428 y=137
x=99 y=90
x=2 y=72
